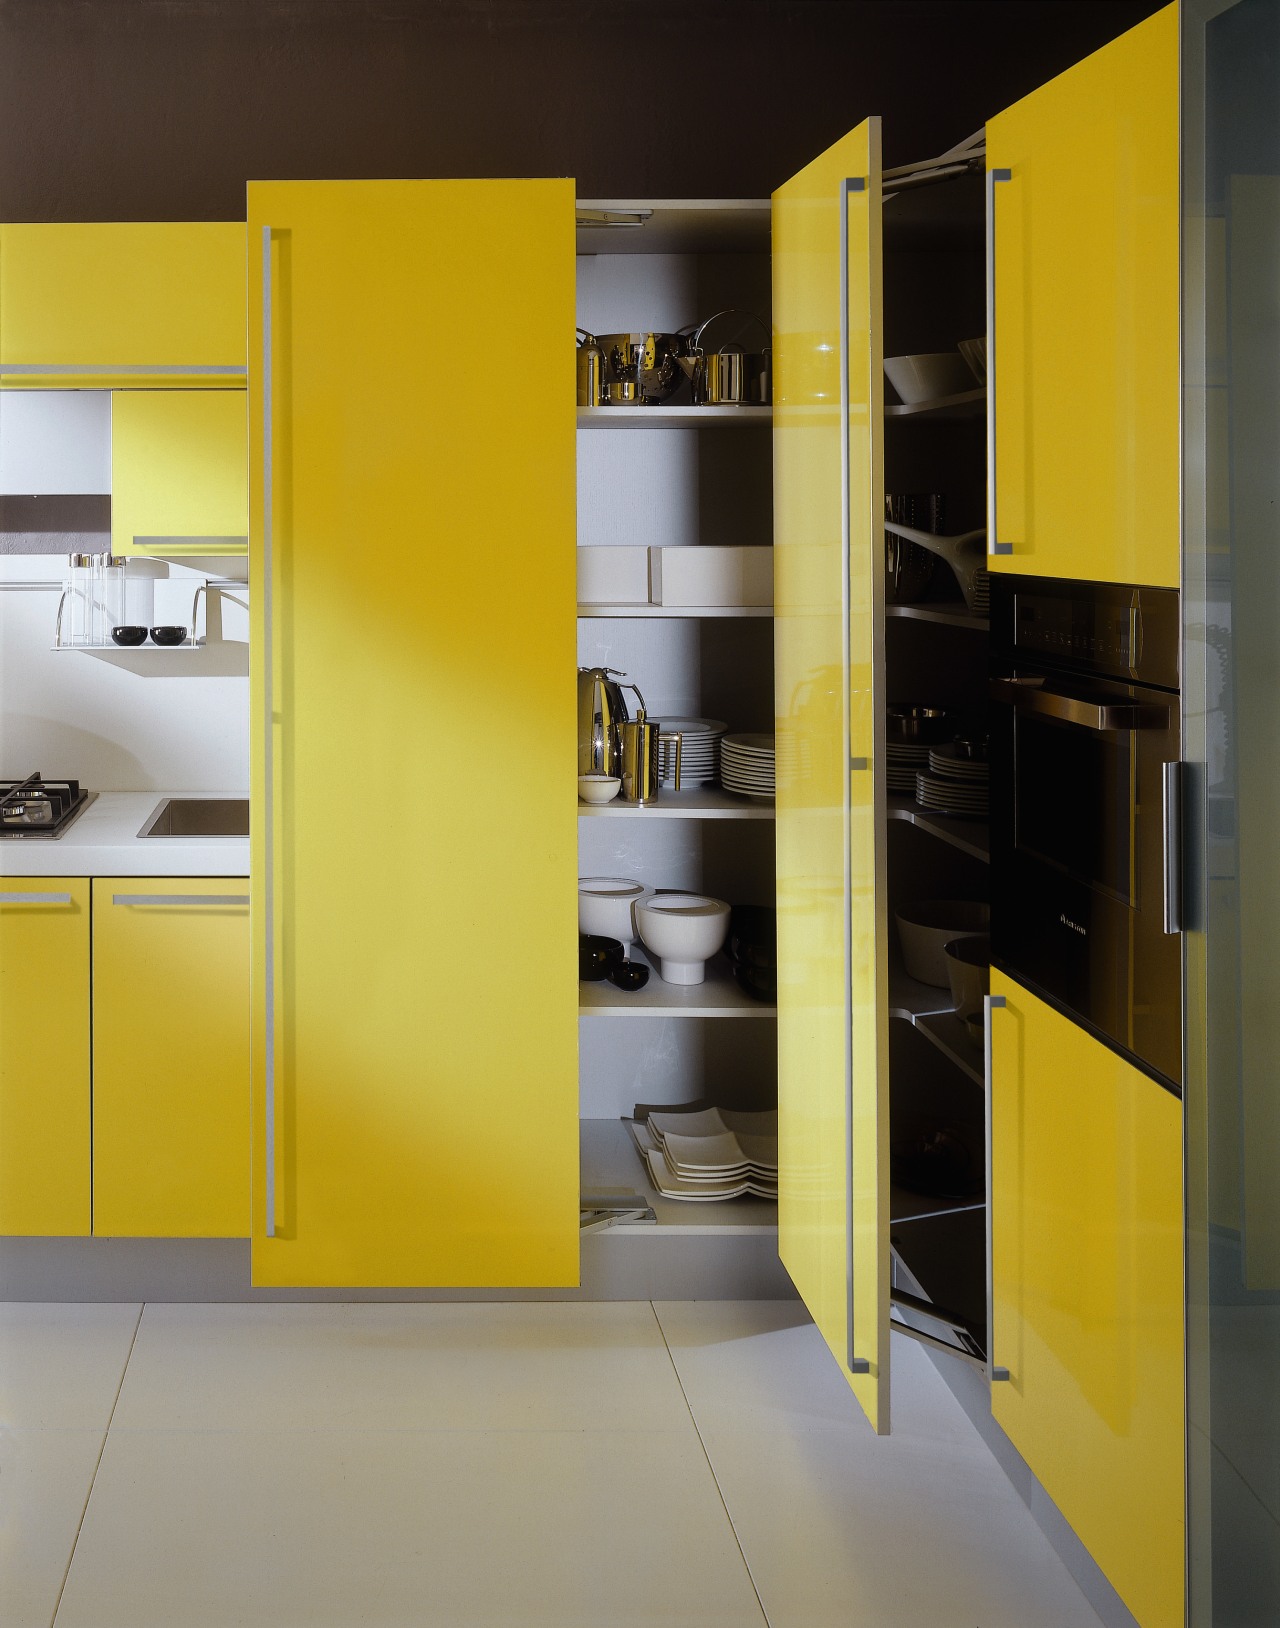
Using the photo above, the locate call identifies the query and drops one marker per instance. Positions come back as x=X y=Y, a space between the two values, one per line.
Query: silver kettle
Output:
x=602 y=710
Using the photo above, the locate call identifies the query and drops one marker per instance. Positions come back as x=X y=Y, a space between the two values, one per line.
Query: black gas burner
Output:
x=38 y=809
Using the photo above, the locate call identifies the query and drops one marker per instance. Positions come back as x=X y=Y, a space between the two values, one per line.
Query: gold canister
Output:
x=641 y=772
x=590 y=370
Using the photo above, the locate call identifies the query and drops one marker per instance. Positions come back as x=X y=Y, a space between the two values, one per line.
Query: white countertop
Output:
x=104 y=841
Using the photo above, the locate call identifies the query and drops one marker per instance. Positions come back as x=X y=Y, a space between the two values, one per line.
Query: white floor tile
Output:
x=572 y=1529
x=415 y=1367
x=60 y=1365
x=45 y=1476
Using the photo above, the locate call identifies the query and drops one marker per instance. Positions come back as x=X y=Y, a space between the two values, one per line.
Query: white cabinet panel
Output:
x=54 y=442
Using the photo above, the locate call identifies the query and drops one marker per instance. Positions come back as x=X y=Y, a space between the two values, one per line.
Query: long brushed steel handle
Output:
x=990 y=1003
x=1100 y=716
x=211 y=899
x=35 y=898
x=268 y=748
x=1173 y=847
x=995 y=546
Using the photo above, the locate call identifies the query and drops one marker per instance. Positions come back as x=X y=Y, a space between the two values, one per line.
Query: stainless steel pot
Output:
x=641 y=367
x=729 y=373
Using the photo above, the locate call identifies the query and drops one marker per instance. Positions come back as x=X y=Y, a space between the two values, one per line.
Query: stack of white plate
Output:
x=699 y=751
x=747 y=765
x=905 y=760
x=955 y=784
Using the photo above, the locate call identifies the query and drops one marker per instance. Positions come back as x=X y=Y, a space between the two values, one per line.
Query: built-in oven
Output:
x=1085 y=807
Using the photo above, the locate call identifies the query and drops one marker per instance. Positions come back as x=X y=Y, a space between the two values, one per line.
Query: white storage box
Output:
x=613 y=576
x=702 y=574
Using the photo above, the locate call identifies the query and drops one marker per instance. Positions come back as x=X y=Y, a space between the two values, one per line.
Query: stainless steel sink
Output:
x=199 y=817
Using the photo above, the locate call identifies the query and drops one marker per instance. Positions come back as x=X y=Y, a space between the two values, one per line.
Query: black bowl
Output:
x=128 y=636
x=628 y=975
x=597 y=956
x=168 y=635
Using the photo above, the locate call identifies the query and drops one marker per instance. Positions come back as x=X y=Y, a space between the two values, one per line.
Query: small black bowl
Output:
x=629 y=975
x=597 y=956
x=128 y=636
x=168 y=635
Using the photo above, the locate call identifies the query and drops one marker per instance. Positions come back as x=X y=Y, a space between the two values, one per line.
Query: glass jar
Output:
x=76 y=606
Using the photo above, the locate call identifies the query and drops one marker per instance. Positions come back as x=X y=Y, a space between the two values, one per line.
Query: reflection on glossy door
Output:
x=833 y=1221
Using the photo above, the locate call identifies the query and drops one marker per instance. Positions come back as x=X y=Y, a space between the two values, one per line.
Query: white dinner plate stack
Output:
x=905 y=761
x=699 y=751
x=747 y=766
x=954 y=784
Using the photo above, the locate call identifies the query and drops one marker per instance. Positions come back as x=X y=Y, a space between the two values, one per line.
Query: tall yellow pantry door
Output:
x=832 y=999
x=412 y=428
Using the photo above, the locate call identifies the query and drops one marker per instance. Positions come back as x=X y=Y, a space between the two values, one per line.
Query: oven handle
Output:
x=1028 y=695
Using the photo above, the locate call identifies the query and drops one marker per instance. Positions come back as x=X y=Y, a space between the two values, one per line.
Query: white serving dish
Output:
x=707 y=574
x=927 y=927
x=605 y=907
x=613 y=576
x=684 y=930
x=928 y=376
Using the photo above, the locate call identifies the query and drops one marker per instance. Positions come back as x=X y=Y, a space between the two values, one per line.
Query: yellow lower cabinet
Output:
x=179 y=472
x=1088 y=1292
x=171 y=1057
x=44 y=1056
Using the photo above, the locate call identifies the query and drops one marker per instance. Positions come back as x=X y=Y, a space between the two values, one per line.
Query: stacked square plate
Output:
x=747 y=766
x=905 y=759
x=699 y=751
x=955 y=783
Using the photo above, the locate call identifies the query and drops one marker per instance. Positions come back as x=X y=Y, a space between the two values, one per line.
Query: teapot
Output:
x=602 y=709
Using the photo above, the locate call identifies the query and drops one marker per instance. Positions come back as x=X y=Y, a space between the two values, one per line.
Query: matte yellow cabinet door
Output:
x=414 y=797
x=179 y=472
x=828 y=524
x=140 y=303
x=1088 y=1292
x=44 y=1056
x=1086 y=347
x=171 y=1057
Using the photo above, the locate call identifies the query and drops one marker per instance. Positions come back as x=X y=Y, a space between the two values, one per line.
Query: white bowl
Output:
x=928 y=376
x=684 y=930
x=604 y=907
x=928 y=926
x=598 y=788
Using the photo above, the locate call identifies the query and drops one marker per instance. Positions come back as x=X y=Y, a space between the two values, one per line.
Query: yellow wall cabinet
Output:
x=1087 y=1257
x=136 y=303
x=415 y=1113
x=1086 y=394
x=44 y=1056
x=170 y=1057
x=179 y=472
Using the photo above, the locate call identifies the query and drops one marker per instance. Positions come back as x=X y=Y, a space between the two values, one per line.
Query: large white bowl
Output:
x=928 y=376
x=604 y=906
x=928 y=926
x=684 y=930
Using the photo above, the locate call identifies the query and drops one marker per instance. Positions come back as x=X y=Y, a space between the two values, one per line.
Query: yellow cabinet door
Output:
x=832 y=984
x=179 y=472
x=44 y=1056
x=1085 y=367
x=414 y=751
x=171 y=1057
x=140 y=303
x=1088 y=1292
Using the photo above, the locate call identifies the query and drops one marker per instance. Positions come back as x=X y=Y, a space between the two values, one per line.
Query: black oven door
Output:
x=1079 y=897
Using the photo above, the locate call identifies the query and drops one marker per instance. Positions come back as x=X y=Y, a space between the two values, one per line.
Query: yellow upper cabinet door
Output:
x=140 y=303
x=1087 y=1292
x=171 y=1057
x=412 y=453
x=832 y=995
x=1085 y=379
x=44 y=1056
x=179 y=472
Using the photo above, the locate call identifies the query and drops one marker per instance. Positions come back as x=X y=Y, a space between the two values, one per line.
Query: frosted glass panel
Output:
x=54 y=442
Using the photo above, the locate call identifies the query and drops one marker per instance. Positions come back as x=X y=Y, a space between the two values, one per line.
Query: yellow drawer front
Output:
x=179 y=472
x=44 y=1056
x=1088 y=1292
x=1086 y=377
x=171 y=1057
x=128 y=302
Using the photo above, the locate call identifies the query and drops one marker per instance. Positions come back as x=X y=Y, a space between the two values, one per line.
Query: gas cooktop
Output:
x=40 y=810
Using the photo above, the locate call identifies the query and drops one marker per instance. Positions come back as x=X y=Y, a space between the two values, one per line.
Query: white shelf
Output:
x=971 y=837
x=673 y=611
x=146 y=648
x=967 y=404
x=704 y=803
x=611 y=1165
x=948 y=615
x=677 y=226
x=718 y=997
x=905 y=1206
x=911 y=1000
x=672 y=418
x=930 y=1011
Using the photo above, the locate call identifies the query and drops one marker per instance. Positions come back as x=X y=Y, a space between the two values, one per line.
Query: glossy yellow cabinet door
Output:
x=1088 y=1292
x=179 y=472
x=414 y=788
x=832 y=995
x=1085 y=370
x=171 y=1057
x=44 y=1056
x=140 y=303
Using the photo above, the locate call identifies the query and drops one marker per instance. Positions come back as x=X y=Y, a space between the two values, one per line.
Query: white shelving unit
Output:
x=717 y=997
x=704 y=803
x=673 y=418
x=671 y=613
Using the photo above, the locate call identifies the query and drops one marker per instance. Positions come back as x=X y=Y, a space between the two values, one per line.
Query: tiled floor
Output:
x=567 y=1465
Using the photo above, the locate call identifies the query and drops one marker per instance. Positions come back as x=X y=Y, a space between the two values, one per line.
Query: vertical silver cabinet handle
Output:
x=990 y=1003
x=856 y=1364
x=1172 y=847
x=268 y=752
x=35 y=898
x=994 y=546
